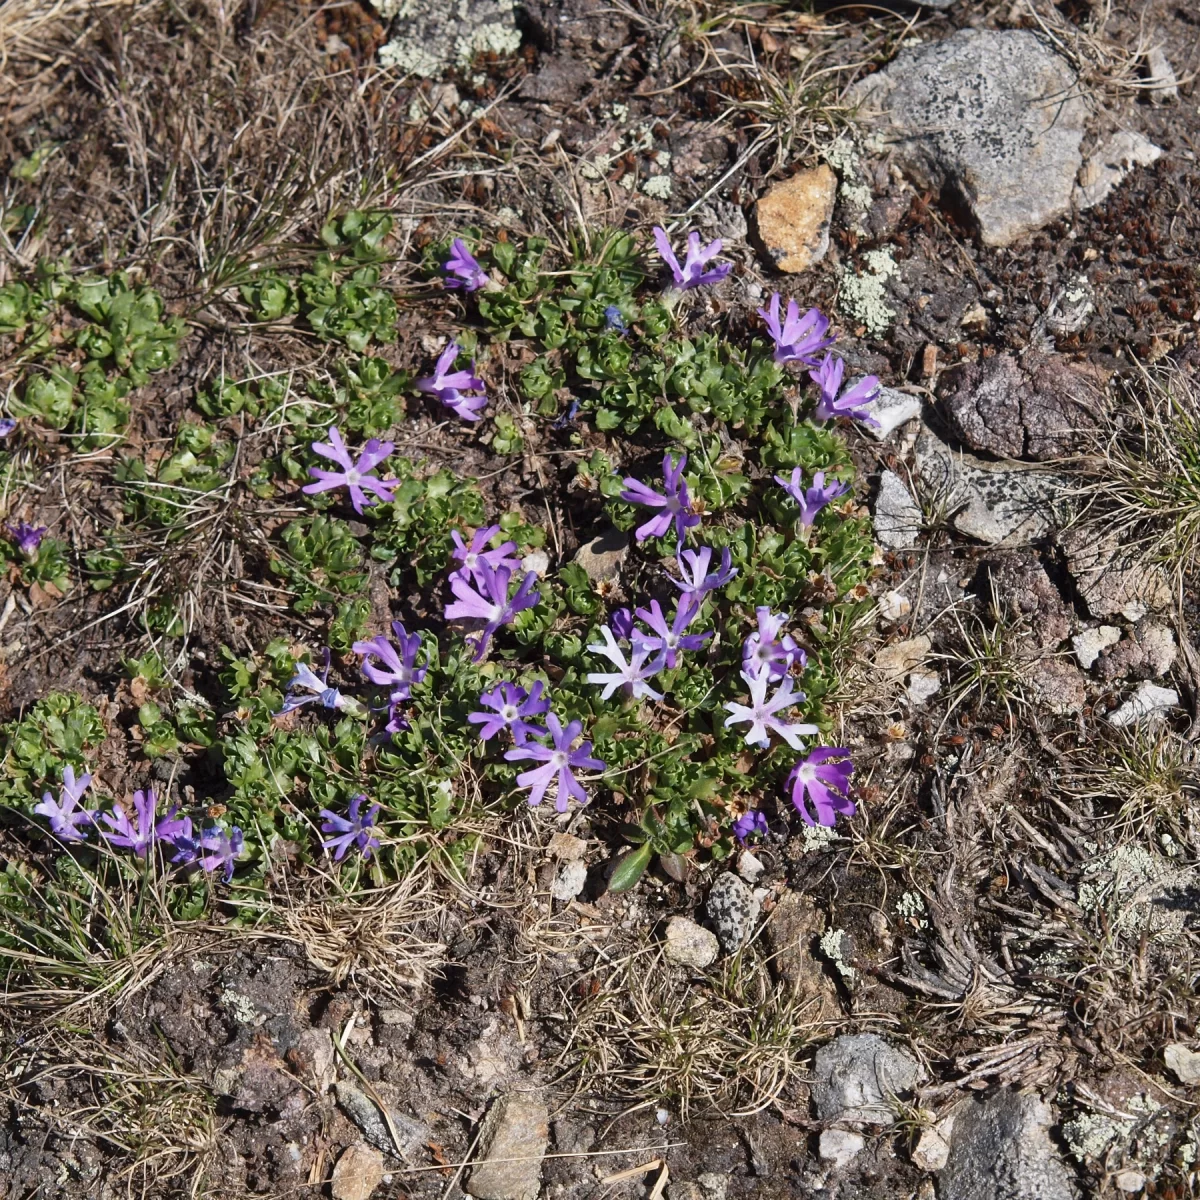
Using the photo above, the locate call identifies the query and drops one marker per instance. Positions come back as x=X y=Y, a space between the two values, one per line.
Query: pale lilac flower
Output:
x=765 y=650
x=558 y=761
x=760 y=712
x=511 y=704
x=478 y=551
x=675 y=504
x=318 y=685
x=812 y=500
x=66 y=816
x=614 y=320
x=26 y=538
x=851 y=403
x=692 y=273
x=799 y=338
x=7 y=425
x=399 y=671
x=748 y=825
x=138 y=835
x=179 y=833
x=486 y=599
x=621 y=623
x=826 y=782
x=696 y=576
x=220 y=848
x=450 y=386
x=670 y=639
x=631 y=675
x=350 y=830
x=463 y=269
x=355 y=475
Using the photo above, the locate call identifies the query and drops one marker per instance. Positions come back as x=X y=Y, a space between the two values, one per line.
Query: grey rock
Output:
x=569 y=880
x=891 y=409
x=1161 y=76
x=1112 y=578
x=512 y=1143
x=996 y=115
x=364 y=1112
x=1000 y=1150
x=1110 y=163
x=689 y=944
x=312 y=1058
x=1149 y=702
x=560 y=79
x=1183 y=1062
x=603 y=557
x=897 y=515
x=1058 y=685
x=857 y=1077
x=1091 y=643
x=1019 y=582
x=1002 y=504
x=1040 y=408
x=840 y=1146
x=750 y=867
x=733 y=910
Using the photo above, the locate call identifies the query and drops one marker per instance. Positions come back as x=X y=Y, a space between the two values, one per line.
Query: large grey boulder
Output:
x=995 y=114
x=1000 y=1150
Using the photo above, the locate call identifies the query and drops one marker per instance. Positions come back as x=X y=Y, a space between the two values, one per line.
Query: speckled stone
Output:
x=733 y=910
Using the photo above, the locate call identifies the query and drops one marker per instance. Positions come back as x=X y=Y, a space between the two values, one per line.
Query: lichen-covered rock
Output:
x=1113 y=578
x=1000 y=1150
x=996 y=115
x=793 y=219
x=429 y=36
x=733 y=910
x=858 y=1077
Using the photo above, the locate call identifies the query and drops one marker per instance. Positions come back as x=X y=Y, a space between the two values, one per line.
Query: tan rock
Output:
x=512 y=1143
x=901 y=657
x=358 y=1172
x=1184 y=1062
x=791 y=934
x=793 y=219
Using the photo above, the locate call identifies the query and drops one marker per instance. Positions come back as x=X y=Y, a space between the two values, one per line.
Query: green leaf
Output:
x=630 y=868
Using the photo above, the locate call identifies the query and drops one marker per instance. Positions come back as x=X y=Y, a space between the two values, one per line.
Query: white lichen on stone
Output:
x=1125 y=883
x=843 y=157
x=831 y=947
x=658 y=187
x=864 y=297
x=431 y=36
x=816 y=837
x=1089 y=1135
x=911 y=906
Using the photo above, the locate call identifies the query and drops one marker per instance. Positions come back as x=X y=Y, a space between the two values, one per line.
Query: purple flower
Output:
x=670 y=639
x=851 y=403
x=220 y=848
x=401 y=669
x=141 y=836
x=826 y=782
x=614 y=320
x=760 y=712
x=696 y=577
x=765 y=650
x=815 y=498
x=354 y=475
x=7 y=425
x=26 y=538
x=486 y=599
x=397 y=722
x=471 y=556
x=178 y=832
x=748 y=825
x=318 y=685
x=558 y=760
x=511 y=704
x=65 y=816
x=799 y=338
x=692 y=273
x=449 y=386
x=675 y=504
x=462 y=269
x=621 y=623
x=631 y=675
x=352 y=829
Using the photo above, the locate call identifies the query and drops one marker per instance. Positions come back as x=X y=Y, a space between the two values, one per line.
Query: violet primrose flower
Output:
x=318 y=685
x=670 y=639
x=471 y=556
x=354 y=829
x=185 y=843
x=450 y=386
x=486 y=599
x=631 y=675
x=760 y=713
x=355 y=476
x=621 y=623
x=7 y=425
x=696 y=577
x=399 y=671
x=798 y=338
x=812 y=500
x=221 y=847
x=748 y=825
x=26 y=538
x=827 y=783
x=851 y=403
x=463 y=269
x=66 y=816
x=614 y=320
x=139 y=836
x=765 y=650
x=558 y=760
x=511 y=704
x=692 y=273
x=675 y=504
